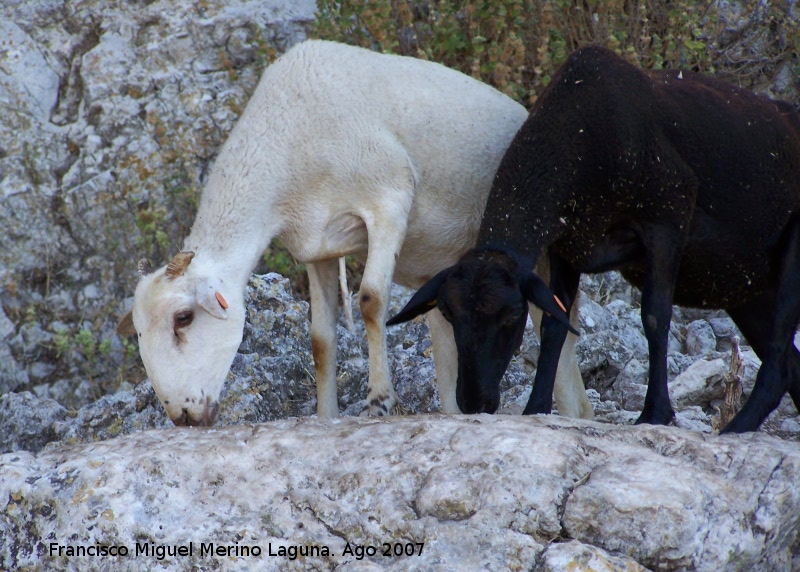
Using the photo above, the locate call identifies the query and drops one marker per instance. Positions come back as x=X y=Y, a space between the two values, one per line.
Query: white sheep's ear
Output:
x=210 y=298
x=125 y=326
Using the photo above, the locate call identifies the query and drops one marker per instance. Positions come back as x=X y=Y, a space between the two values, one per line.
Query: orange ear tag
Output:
x=224 y=303
x=560 y=305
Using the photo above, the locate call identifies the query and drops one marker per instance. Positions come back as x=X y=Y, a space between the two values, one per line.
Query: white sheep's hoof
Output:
x=379 y=406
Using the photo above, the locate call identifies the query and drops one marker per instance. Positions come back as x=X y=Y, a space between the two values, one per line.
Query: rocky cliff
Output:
x=113 y=112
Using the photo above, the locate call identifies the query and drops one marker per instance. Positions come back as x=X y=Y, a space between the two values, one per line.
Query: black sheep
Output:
x=688 y=185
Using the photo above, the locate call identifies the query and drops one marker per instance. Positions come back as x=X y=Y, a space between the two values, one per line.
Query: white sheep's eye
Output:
x=182 y=319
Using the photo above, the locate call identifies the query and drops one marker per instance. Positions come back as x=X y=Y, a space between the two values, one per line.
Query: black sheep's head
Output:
x=485 y=298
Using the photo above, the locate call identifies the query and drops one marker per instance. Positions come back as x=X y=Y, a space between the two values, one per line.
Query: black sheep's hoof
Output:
x=664 y=417
x=739 y=424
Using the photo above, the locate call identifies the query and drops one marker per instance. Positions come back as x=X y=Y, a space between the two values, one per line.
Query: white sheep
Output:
x=340 y=151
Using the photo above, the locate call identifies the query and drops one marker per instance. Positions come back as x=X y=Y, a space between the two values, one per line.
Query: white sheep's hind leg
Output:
x=568 y=391
x=385 y=240
x=323 y=281
x=445 y=359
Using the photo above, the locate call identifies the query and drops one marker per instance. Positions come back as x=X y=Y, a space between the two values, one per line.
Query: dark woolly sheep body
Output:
x=617 y=147
x=686 y=184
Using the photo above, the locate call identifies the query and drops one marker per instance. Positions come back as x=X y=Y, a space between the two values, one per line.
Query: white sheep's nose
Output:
x=206 y=418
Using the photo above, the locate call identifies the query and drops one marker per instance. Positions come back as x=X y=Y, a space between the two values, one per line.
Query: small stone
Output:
x=700 y=383
x=700 y=338
x=790 y=426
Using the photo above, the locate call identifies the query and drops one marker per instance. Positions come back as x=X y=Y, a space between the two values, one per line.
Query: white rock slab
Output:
x=475 y=492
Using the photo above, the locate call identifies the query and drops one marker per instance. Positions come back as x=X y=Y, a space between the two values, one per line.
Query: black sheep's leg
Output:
x=564 y=281
x=754 y=320
x=664 y=246
x=780 y=361
x=794 y=375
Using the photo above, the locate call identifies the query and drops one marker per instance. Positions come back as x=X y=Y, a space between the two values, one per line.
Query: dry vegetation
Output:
x=516 y=45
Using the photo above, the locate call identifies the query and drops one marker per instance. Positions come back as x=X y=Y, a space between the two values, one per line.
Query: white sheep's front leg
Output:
x=385 y=240
x=445 y=359
x=322 y=279
x=568 y=391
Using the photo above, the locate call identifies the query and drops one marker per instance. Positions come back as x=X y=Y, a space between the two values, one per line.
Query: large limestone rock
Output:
x=470 y=493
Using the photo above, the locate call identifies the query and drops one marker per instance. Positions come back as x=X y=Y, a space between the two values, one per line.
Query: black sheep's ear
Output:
x=423 y=301
x=535 y=290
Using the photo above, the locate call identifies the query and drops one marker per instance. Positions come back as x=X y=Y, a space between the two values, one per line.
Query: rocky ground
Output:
x=465 y=493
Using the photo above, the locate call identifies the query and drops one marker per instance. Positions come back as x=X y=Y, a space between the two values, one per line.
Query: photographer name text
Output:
x=237 y=550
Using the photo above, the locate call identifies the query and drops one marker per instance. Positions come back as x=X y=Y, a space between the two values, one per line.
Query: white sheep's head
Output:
x=189 y=325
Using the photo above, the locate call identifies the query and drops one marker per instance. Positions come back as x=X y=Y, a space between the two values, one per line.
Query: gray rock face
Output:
x=27 y=422
x=112 y=113
x=472 y=493
x=700 y=338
